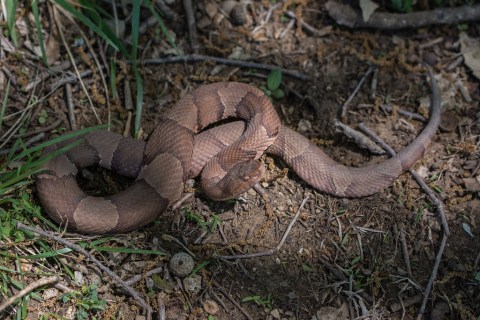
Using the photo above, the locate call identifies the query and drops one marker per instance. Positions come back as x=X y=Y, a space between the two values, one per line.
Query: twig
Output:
x=79 y=249
x=347 y=16
x=273 y=250
x=230 y=62
x=319 y=33
x=406 y=257
x=136 y=278
x=161 y=307
x=28 y=143
x=416 y=176
x=192 y=31
x=29 y=288
x=405 y=113
x=70 y=79
x=179 y=203
x=70 y=106
x=355 y=91
x=433 y=276
x=40 y=130
x=72 y=60
x=373 y=86
x=440 y=209
x=235 y=303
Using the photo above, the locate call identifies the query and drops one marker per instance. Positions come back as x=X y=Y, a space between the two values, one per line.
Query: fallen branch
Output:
x=29 y=288
x=230 y=62
x=347 y=16
x=79 y=249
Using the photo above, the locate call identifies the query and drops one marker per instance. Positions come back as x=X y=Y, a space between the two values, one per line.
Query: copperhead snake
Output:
x=228 y=155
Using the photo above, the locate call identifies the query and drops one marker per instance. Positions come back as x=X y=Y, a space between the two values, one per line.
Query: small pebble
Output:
x=210 y=306
x=448 y=121
x=181 y=264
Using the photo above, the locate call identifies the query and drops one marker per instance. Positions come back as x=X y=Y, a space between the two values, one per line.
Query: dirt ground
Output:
x=366 y=258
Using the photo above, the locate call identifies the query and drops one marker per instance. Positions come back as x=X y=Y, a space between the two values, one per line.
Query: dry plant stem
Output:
x=97 y=62
x=161 y=307
x=34 y=139
x=72 y=60
x=309 y=28
x=179 y=203
x=273 y=250
x=373 y=86
x=347 y=16
x=354 y=93
x=230 y=62
x=416 y=176
x=40 y=130
x=70 y=106
x=405 y=113
x=29 y=288
x=401 y=234
x=192 y=32
x=440 y=209
x=80 y=250
x=433 y=276
x=235 y=303
x=397 y=306
x=46 y=74
x=70 y=79
x=136 y=278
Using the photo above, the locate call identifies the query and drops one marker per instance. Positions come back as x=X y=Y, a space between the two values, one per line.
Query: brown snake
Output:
x=228 y=155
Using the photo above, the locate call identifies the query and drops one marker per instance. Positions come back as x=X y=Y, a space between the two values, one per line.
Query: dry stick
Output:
x=273 y=250
x=79 y=249
x=72 y=60
x=40 y=130
x=29 y=288
x=320 y=33
x=403 y=241
x=230 y=62
x=70 y=106
x=161 y=307
x=28 y=143
x=433 y=276
x=405 y=113
x=192 y=32
x=235 y=303
x=354 y=93
x=47 y=74
x=136 y=278
x=70 y=79
x=416 y=176
x=440 y=209
x=347 y=16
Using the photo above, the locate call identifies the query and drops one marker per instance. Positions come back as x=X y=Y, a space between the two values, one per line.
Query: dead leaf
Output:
x=368 y=8
x=471 y=53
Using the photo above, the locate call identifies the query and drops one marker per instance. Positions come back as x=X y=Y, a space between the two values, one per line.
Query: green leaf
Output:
x=477 y=277
x=278 y=93
x=274 y=79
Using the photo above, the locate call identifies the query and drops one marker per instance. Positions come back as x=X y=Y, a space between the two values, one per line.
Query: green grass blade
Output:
x=38 y=26
x=4 y=103
x=103 y=31
x=11 y=7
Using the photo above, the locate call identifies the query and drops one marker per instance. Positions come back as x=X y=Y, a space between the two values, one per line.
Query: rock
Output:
x=275 y=314
x=210 y=307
